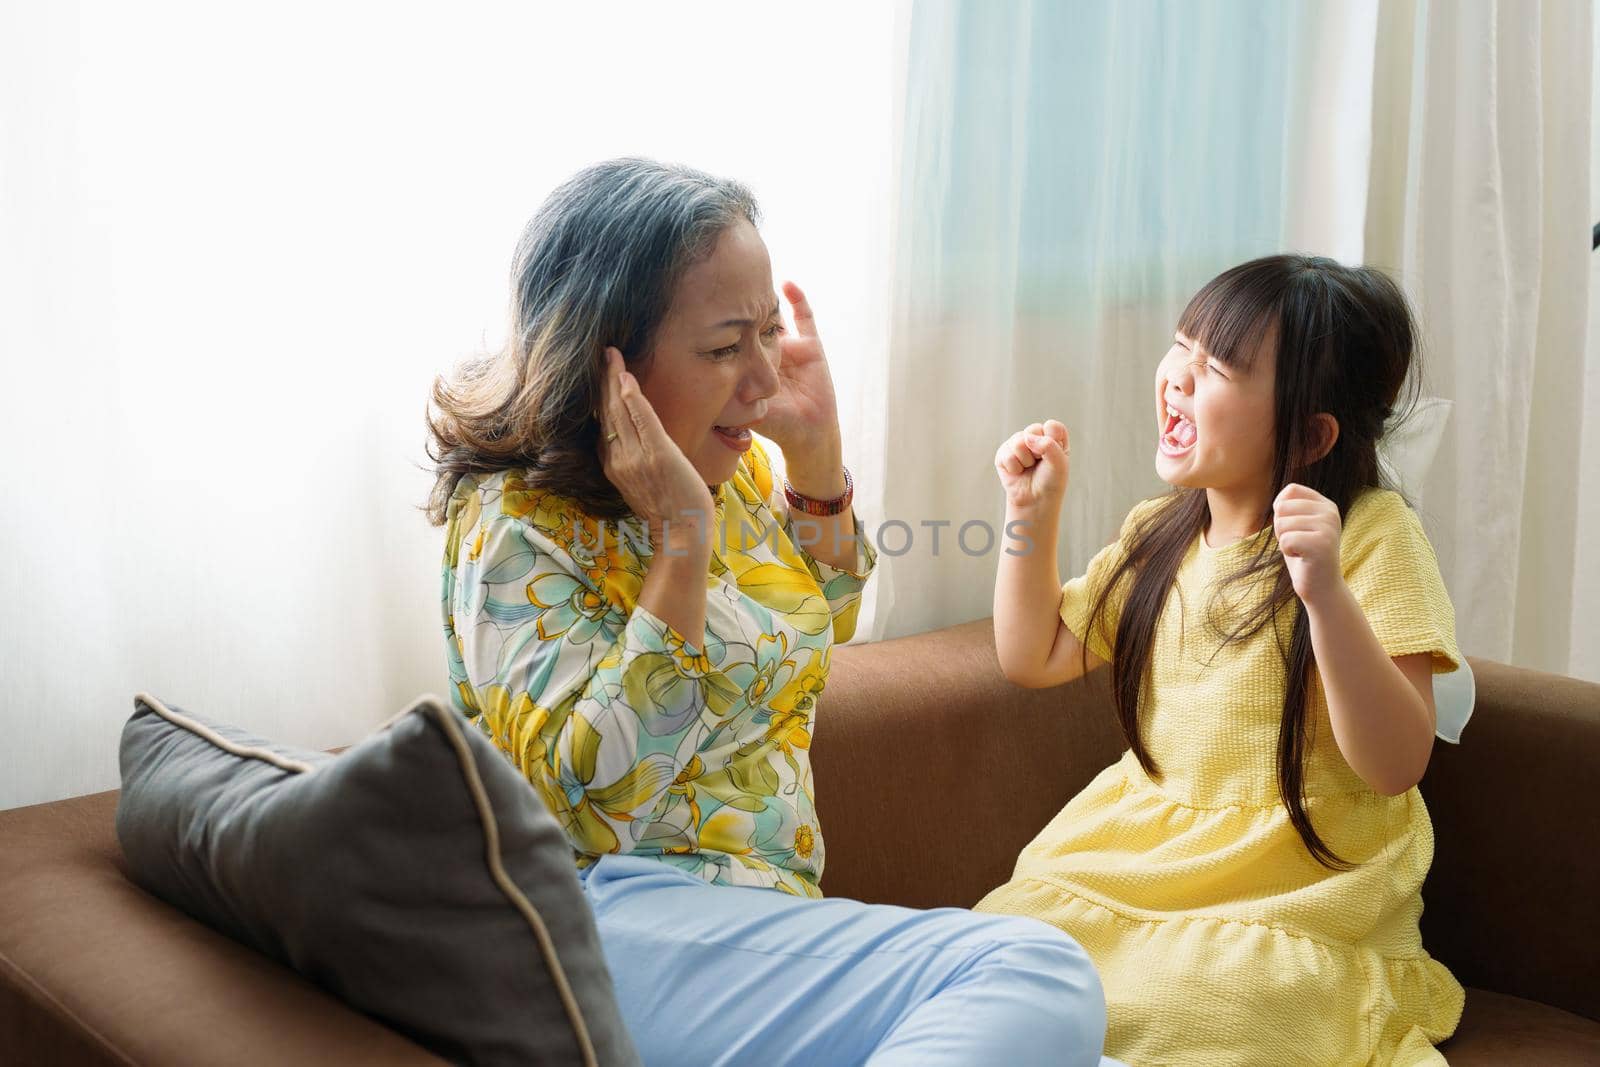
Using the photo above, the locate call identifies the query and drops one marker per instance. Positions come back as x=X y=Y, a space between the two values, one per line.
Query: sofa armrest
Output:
x=1510 y=903
x=932 y=771
x=94 y=970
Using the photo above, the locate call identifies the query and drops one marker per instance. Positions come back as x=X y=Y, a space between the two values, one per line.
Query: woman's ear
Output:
x=1324 y=435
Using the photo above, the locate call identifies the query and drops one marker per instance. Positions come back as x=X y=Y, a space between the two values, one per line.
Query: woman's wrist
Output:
x=835 y=504
x=688 y=538
x=674 y=590
x=816 y=469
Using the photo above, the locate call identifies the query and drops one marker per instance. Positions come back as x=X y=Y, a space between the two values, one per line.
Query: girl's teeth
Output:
x=1180 y=431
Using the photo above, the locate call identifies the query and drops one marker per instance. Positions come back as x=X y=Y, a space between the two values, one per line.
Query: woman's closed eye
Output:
x=771 y=333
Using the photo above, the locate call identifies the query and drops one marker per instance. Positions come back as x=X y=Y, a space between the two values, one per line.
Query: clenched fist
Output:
x=1032 y=464
x=1307 y=527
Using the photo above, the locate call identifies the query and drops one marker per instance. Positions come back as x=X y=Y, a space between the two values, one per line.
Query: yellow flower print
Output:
x=569 y=605
x=618 y=573
x=516 y=498
x=516 y=725
x=772 y=652
x=789 y=590
x=692 y=770
x=804 y=841
x=463 y=520
x=728 y=830
x=755 y=488
x=791 y=730
x=683 y=786
x=690 y=664
x=803 y=687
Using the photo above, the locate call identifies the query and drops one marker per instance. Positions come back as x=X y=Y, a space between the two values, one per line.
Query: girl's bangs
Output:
x=1231 y=315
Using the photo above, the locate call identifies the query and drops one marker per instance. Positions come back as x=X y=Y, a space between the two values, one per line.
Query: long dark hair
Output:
x=1345 y=344
x=596 y=266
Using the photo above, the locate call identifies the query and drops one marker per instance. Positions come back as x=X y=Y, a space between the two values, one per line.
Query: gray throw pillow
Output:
x=417 y=876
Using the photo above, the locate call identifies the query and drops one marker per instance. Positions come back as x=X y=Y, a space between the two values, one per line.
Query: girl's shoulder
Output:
x=1375 y=511
x=1380 y=520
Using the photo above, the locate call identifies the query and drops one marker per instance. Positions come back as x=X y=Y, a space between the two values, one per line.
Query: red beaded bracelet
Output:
x=821 y=507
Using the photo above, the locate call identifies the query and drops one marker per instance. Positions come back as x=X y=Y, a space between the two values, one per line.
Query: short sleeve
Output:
x=1390 y=567
x=1079 y=595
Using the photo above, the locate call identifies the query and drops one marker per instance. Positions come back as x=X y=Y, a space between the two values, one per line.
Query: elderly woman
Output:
x=640 y=614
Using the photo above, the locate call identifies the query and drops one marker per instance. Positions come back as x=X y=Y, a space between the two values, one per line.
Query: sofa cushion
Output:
x=417 y=876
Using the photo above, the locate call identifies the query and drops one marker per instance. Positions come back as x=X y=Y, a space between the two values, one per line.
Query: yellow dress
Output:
x=1218 y=938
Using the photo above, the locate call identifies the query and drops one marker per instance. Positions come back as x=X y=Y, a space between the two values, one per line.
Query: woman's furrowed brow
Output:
x=768 y=317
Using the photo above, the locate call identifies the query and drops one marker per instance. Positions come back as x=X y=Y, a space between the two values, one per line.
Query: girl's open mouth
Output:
x=1178 y=435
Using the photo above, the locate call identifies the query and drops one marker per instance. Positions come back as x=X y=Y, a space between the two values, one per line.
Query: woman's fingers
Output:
x=805 y=323
x=606 y=414
x=617 y=424
x=641 y=418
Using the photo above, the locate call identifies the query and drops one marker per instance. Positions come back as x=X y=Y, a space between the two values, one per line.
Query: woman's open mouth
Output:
x=1178 y=435
x=735 y=437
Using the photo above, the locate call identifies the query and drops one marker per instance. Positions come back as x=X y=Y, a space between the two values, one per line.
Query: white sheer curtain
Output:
x=236 y=245
x=1480 y=200
x=1068 y=175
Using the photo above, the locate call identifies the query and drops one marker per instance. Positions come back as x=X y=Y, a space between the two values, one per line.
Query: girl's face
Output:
x=716 y=355
x=1214 y=422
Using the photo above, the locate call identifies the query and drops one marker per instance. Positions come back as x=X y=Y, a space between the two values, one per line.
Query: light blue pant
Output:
x=717 y=975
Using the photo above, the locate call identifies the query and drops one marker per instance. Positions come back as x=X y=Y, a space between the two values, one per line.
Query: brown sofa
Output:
x=932 y=771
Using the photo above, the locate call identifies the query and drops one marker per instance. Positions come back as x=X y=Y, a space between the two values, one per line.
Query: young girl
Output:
x=1246 y=878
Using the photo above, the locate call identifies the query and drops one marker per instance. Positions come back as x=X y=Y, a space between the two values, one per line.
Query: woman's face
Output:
x=1214 y=424
x=716 y=355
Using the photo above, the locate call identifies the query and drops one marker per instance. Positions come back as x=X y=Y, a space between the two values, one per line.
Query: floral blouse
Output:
x=638 y=740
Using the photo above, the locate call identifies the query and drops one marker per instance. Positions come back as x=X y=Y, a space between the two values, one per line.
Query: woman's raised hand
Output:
x=1032 y=464
x=648 y=468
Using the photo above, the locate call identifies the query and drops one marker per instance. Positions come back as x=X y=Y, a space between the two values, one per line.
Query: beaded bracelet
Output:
x=821 y=507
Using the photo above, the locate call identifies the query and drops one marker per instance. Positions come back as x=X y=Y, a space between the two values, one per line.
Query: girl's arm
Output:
x=1381 y=707
x=1036 y=649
